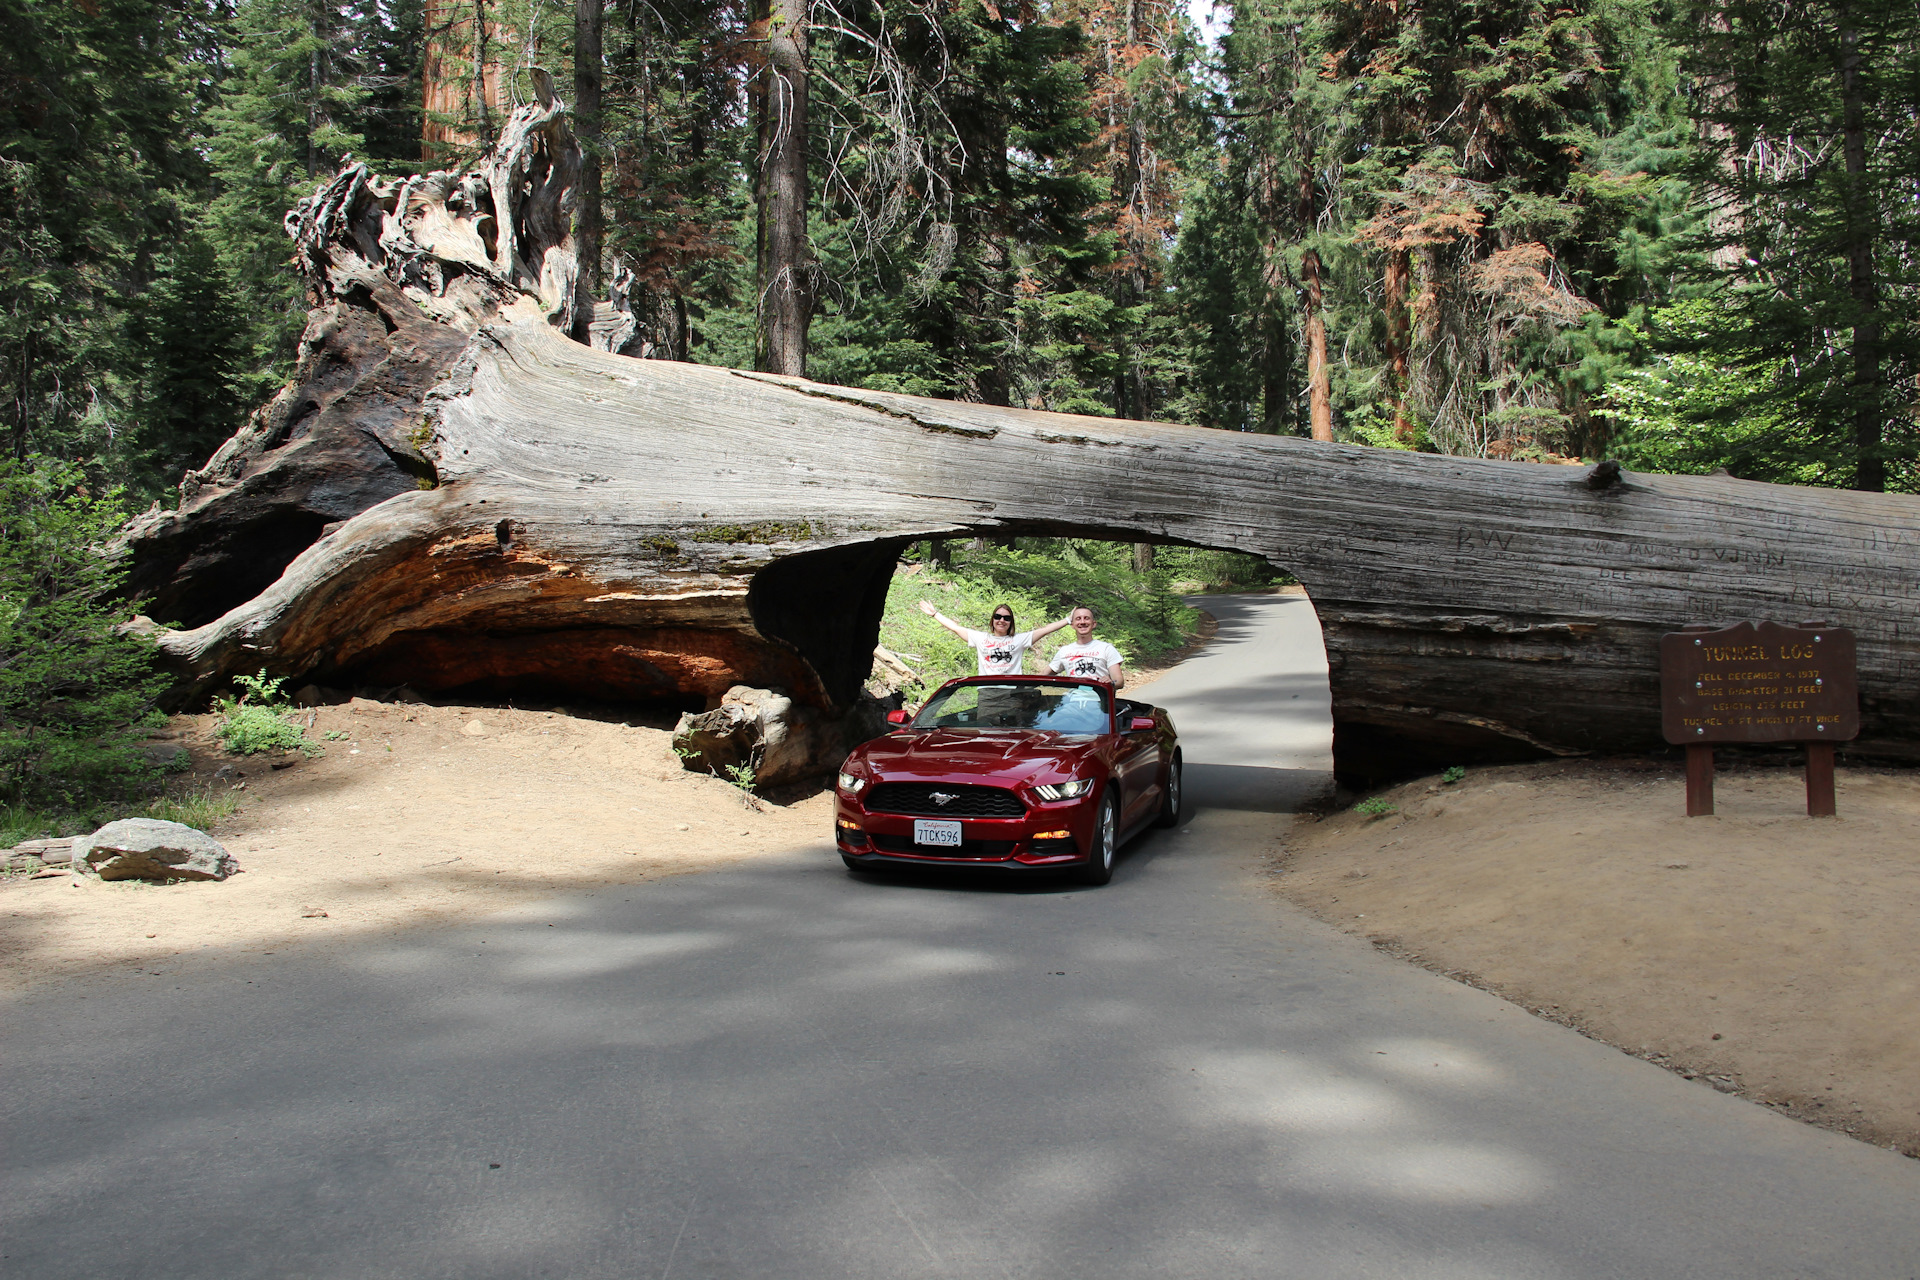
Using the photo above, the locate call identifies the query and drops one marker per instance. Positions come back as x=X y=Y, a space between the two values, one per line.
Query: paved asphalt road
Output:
x=787 y=1071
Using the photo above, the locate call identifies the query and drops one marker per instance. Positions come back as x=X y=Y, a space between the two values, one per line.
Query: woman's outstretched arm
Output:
x=943 y=620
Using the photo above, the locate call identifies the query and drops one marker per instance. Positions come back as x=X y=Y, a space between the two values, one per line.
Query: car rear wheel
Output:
x=1106 y=836
x=1170 y=798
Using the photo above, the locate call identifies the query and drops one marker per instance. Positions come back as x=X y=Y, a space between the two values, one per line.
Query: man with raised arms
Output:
x=1084 y=656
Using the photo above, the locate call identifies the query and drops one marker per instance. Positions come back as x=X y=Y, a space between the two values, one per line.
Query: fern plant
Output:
x=249 y=727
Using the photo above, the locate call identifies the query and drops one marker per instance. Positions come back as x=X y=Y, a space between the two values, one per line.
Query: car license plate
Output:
x=927 y=831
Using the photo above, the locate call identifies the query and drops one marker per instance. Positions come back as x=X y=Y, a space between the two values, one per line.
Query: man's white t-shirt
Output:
x=1094 y=660
x=1001 y=655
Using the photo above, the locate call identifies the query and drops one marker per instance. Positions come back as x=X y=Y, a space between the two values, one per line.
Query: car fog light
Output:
x=1063 y=790
x=850 y=784
x=1062 y=834
x=846 y=824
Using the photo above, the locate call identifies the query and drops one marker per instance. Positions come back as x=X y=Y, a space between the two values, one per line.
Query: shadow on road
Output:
x=1254 y=789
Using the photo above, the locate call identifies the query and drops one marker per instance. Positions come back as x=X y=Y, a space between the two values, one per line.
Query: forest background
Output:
x=1676 y=234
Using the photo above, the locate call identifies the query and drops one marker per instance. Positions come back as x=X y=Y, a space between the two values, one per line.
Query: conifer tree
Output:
x=1813 y=115
x=289 y=110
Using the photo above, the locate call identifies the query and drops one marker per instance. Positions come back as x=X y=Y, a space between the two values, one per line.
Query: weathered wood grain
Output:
x=1472 y=609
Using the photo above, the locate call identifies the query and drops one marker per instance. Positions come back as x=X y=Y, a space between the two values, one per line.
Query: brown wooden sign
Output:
x=1759 y=682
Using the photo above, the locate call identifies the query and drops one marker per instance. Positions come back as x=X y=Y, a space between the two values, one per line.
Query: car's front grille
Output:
x=924 y=799
x=975 y=849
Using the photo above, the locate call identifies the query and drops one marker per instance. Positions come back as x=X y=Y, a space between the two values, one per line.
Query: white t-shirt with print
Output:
x=1001 y=655
x=1094 y=660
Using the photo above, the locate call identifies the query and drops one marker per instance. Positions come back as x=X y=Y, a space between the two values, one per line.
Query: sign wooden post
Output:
x=1759 y=682
x=1699 y=781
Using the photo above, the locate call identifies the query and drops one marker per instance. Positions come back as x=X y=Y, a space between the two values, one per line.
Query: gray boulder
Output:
x=149 y=849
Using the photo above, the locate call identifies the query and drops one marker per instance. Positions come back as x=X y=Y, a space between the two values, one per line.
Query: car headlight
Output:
x=1063 y=790
x=850 y=784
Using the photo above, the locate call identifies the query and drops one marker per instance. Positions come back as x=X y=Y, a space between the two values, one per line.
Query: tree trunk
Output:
x=1143 y=557
x=1276 y=351
x=588 y=19
x=1399 y=339
x=785 y=266
x=1319 y=399
x=558 y=517
x=463 y=80
x=1870 y=467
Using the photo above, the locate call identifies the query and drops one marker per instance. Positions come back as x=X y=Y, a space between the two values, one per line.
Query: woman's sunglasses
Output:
x=1003 y=617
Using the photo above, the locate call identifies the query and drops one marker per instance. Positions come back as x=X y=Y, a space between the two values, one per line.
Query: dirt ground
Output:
x=420 y=813
x=1761 y=951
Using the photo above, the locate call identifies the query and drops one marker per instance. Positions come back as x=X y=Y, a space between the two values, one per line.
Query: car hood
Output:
x=1024 y=757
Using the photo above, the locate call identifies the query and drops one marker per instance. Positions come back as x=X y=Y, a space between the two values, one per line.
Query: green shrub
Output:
x=1453 y=775
x=76 y=696
x=1375 y=808
x=262 y=724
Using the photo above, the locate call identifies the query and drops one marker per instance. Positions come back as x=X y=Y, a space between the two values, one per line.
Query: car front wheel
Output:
x=1106 y=835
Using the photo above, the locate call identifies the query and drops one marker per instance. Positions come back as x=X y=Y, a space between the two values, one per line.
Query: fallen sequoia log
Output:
x=554 y=516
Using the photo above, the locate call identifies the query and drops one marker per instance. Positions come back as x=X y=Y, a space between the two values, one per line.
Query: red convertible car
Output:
x=1013 y=773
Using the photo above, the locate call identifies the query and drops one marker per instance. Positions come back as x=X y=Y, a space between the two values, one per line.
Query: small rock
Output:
x=228 y=773
x=681 y=826
x=48 y=851
x=47 y=873
x=167 y=755
x=288 y=763
x=474 y=729
x=312 y=913
x=149 y=849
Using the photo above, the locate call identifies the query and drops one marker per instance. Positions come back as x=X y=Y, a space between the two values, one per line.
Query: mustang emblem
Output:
x=942 y=797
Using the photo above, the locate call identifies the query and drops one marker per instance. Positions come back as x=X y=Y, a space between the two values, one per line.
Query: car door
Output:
x=1136 y=764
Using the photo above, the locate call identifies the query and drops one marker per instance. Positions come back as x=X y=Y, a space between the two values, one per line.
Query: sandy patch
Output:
x=1759 y=950
x=422 y=813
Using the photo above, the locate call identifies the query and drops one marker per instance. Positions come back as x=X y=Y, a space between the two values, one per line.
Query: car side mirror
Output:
x=898 y=717
x=1140 y=724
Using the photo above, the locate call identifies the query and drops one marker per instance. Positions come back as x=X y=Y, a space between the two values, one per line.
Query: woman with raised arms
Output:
x=1001 y=651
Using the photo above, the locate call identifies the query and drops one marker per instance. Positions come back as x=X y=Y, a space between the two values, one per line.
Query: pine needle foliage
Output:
x=76 y=695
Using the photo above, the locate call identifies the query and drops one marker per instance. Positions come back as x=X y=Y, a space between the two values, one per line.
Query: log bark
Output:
x=628 y=528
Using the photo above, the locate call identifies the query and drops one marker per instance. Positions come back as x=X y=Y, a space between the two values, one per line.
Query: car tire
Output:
x=1106 y=841
x=1170 y=800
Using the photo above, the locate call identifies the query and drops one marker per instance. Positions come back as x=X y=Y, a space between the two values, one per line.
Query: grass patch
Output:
x=195 y=809
x=201 y=809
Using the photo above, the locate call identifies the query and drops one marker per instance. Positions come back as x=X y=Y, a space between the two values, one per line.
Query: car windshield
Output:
x=1056 y=708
